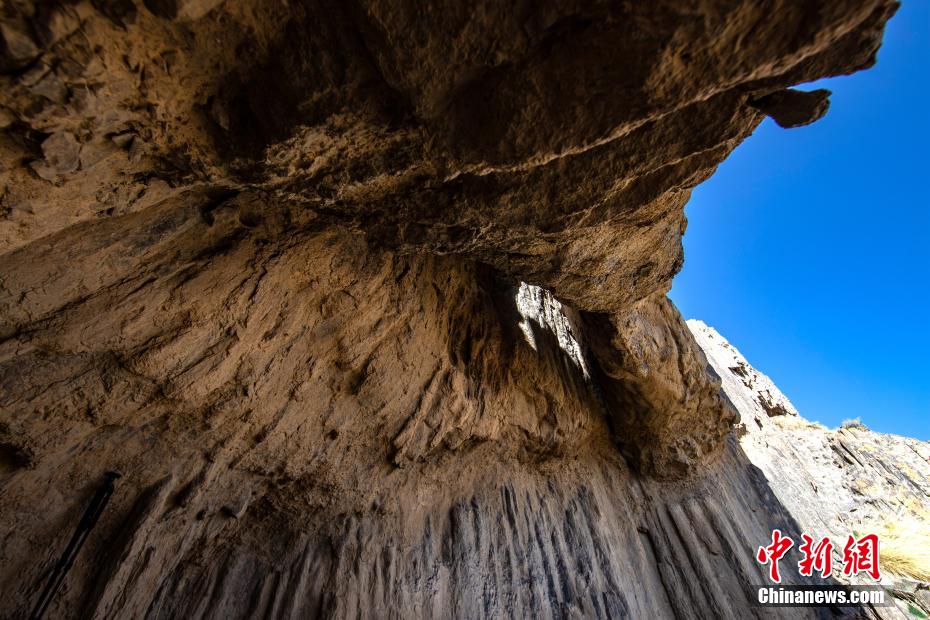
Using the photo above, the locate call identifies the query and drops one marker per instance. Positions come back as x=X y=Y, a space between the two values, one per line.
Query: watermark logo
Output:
x=860 y=557
x=821 y=596
x=773 y=553
x=817 y=557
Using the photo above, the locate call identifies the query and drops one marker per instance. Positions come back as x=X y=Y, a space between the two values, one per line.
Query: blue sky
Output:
x=808 y=249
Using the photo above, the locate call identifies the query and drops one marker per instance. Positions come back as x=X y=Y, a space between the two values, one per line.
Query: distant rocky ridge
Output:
x=833 y=482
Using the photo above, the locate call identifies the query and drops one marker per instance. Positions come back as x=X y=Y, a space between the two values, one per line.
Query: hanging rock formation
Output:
x=366 y=302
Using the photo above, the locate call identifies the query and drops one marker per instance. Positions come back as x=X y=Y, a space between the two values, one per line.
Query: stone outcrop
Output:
x=366 y=302
x=794 y=108
x=833 y=482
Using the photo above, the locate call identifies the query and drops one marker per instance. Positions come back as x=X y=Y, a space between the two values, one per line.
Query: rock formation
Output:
x=366 y=302
x=833 y=482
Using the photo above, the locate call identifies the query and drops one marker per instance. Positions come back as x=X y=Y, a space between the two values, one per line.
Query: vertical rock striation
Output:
x=366 y=302
x=833 y=482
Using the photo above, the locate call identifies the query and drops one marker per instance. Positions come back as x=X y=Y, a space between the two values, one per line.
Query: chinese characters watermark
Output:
x=859 y=556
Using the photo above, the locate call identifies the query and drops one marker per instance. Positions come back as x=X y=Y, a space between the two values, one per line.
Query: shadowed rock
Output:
x=367 y=302
x=795 y=108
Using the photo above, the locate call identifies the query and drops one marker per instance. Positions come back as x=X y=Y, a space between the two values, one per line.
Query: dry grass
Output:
x=854 y=423
x=791 y=422
x=905 y=545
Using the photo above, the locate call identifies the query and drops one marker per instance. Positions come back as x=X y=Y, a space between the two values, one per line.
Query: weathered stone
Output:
x=62 y=152
x=17 y=48
x=384 y=281
x=667 y=410
x=833 y=482
x=795 y=108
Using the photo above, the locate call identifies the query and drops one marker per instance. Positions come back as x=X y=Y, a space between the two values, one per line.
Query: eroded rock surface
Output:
x=833 y=482
x=277 y=264
x=794 y=108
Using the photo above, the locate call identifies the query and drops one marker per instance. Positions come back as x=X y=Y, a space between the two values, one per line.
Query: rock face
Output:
x=833 y=482
x=366 y=301
x=794 y=108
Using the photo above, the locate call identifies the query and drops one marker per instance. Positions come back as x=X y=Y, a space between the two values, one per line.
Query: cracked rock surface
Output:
x=833 y=482
x=366 y=301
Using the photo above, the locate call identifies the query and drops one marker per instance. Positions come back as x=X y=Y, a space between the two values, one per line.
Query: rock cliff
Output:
x=366 y=302
x=833 y=482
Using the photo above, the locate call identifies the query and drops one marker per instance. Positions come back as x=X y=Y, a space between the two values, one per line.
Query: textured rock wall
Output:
x=839 y=480
x=833 y=482
x=402 y=453
x=277 y=263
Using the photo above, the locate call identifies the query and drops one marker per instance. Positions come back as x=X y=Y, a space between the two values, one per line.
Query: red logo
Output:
x=817 y=557
x=774 y=552
x=859 y=556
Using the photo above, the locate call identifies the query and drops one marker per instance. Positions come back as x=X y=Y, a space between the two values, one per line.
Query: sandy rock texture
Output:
x=839 y=480
x=833 y=482
x=366 y=302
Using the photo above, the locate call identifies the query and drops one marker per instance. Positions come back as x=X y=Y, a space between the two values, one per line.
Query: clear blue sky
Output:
x=808 y=249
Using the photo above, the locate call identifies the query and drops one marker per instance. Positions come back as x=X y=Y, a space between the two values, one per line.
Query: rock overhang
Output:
x=286 y=239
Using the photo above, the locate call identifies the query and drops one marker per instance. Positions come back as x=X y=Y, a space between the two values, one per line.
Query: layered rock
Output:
x=833 y=482
x=277 y=263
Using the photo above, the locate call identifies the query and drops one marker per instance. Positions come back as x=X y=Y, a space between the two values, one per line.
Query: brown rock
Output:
x=62 y=152
x=795 y=108
x=17 y=47
x=384 y=281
